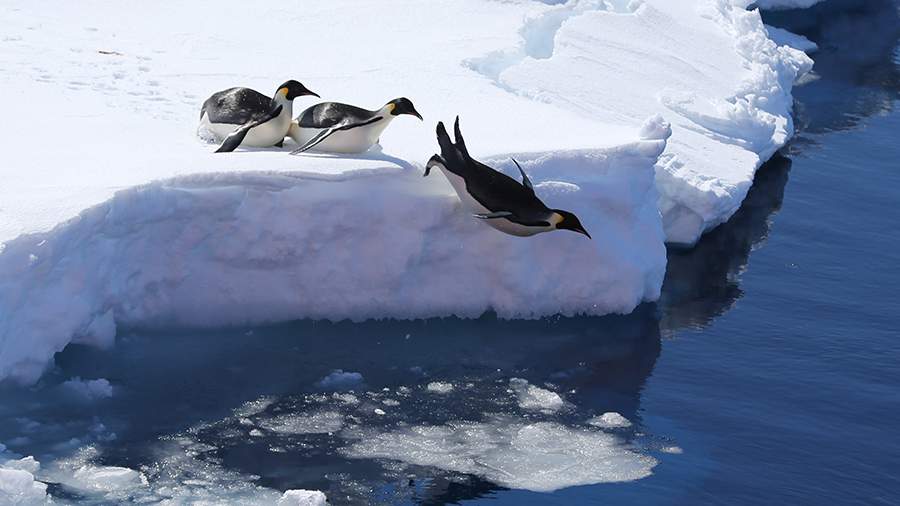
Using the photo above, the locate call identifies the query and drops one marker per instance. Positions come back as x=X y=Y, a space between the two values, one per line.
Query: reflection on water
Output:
x=856 y=62
x=704 y=282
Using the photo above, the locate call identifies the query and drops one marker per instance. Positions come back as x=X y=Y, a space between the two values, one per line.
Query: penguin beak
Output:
x=307 y=92
x=585 y=232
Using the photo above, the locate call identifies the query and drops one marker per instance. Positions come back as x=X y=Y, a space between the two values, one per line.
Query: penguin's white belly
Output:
x=473 y=206
x=263 y=136
x=354 y=140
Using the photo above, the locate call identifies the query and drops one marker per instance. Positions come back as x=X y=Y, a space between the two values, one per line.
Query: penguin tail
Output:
x=460 y=142
x=449 y=151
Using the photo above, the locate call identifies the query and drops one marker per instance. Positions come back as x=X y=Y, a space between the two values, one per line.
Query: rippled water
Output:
x=766 y=374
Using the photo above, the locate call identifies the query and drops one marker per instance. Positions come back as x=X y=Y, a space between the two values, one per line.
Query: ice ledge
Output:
x=251 y=248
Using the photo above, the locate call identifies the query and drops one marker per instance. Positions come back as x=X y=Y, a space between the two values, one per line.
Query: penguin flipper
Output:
x=493 y=215
x=235 y=138
x=324 y=134
x=279 y=144
x=525 y=181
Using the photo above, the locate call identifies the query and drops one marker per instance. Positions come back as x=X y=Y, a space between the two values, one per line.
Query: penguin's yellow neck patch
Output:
x=390 y=107
x=556 y=219
x=283 y=91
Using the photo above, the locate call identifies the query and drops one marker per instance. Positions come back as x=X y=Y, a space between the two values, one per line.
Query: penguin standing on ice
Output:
x=245 y=117
x=341 y=128
x=494 y=197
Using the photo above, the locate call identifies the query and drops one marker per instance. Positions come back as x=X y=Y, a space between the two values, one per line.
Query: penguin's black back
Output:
x=236 y=106
x=493 y=189
x=329 y=114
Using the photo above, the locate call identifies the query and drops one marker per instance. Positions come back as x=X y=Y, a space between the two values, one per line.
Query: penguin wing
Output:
x=235 y=138
x=332 y=114
x=324 y=134
x=236 y=106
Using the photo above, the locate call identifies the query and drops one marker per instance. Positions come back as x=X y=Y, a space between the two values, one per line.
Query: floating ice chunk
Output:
x=379 y=412
x=27 y=464
x=672 y=449
x=507 y=451
x=610 y=420
x=783 y=37
x=107 y=478
x=302 y=498
x=254 y=407
x=346 y=398
x=88 y=390
x=440 y=387
x=533 y=398
x=316 y=423
x=19 y=487
x=340 y=380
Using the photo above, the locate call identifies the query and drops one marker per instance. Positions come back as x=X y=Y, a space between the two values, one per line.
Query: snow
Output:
x=108 y=478
x=439 y=387
x=783 y=37
x=302 y=498
x=511 y=452
x=534 y=398
x=112 y=213
x=610 y=420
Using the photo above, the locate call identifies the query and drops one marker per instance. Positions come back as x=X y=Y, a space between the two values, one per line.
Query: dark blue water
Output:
x=771 y=361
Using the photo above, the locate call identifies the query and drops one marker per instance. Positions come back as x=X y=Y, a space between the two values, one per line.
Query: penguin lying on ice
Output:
x=341 y=128
x=494 y=197
x=245 y=117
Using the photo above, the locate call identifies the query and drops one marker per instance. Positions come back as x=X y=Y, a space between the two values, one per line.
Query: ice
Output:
x=511 y=452
x=302 y=498
x=340 y=380
x=610 y=420
x=783 y=37
x=440 y=387
x=88 y=390
x=534 y=398
x=315 y=423
x=107 y=478
x=113 y=214
x=17 y=482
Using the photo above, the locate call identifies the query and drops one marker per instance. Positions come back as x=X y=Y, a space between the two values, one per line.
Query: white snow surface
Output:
x=17 y=483
x=112 y=212
x=610 y=420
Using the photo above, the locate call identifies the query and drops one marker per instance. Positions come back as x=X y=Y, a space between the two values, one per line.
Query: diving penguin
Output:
x=494 y=197
x=341 y=128
x=245 y=117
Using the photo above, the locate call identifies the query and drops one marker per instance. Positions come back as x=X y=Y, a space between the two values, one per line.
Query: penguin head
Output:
x=568 y=221
x=402 y=105
x=293 y=89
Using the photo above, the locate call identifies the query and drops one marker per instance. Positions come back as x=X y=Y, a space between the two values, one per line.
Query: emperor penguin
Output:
x=494 y=197
x=245 y=117
x=341 y=128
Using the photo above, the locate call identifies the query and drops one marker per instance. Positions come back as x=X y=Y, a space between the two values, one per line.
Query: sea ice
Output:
x=340 y=380
x=534 y=398
x=440 y=387
x=88 y=390
x=611 y=420
x=302 y=498
x=315 y=423
x=135 y=222
x=543 y=456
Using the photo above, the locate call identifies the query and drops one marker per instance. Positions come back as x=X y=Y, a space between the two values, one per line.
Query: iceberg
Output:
x=646 y=118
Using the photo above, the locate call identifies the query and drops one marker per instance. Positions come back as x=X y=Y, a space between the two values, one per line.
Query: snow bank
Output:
x=707 y=67
x=17 y=483
x=112 y=213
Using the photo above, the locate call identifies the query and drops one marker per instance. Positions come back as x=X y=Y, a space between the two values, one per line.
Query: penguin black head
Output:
x=402 y=105
x=569 y=221
x=293 y=89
